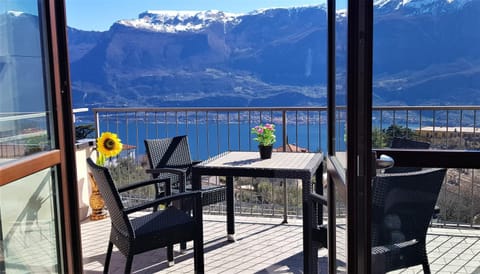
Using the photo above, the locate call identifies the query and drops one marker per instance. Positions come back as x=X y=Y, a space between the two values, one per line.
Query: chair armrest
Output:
x=196 y=195
x=182 y=173
x=166 y=181
x=383 y=249
x=177 y=171
x=318 y=198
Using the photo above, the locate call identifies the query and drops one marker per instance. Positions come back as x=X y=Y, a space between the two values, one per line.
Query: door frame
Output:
x=54 y=29
x=357 y=177
x=359 y=135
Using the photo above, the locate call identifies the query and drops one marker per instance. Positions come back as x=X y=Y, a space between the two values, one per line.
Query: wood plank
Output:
x=25 y=166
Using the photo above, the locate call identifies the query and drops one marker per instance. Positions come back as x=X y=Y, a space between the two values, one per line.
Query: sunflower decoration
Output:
x=108 y=145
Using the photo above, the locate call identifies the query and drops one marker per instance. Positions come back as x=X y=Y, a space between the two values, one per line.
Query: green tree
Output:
x=125 y=171
x=399 y=131
x=84 y=131
x=379 y=138
x=36 y=144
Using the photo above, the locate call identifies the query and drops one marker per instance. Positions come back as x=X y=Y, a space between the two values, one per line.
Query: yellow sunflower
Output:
x=109 y=145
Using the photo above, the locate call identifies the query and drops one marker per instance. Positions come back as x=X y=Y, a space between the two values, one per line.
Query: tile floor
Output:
x=264 y=245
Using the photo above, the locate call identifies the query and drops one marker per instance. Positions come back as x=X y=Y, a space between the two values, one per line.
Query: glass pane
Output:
x=341 y=79
x=425 y=96
x=24 y=112
x=341 y=130
x=27 y=225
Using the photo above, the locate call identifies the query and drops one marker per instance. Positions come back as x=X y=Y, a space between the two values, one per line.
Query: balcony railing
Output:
x=214 y=130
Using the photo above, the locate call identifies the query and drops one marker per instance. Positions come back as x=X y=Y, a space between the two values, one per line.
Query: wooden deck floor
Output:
x=264 y=245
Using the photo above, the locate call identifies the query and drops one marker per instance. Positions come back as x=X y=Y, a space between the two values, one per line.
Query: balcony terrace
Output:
x=264 y=245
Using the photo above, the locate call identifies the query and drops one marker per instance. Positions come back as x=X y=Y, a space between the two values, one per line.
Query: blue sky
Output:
x=30 y=7
x=101 y=14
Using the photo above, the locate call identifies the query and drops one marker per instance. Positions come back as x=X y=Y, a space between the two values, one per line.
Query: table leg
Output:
x=2 y=254
x=319 y=190
x=285 y=202
x=309 y=265
x=230 y=210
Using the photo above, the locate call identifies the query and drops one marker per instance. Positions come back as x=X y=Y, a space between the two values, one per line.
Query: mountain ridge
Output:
x=276 y=57
x=281 y=52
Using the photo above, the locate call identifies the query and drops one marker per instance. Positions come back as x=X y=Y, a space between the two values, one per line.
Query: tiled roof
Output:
x=291 y=148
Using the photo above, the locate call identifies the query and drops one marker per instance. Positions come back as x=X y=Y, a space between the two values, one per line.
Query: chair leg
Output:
x=107 y=258
x=199 y=264
x=128 y=264
x=426 y=267
x=170 y=260
x=183 y=247
x=425 y=264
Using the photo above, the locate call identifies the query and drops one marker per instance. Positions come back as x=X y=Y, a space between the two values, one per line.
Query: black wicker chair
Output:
x=398 y=142
x=405 y=143
x=170 y=158
x=151 y=231
x=402 y=205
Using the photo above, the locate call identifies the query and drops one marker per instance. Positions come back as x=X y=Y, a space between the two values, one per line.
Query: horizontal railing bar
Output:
x=210 y=109
x=17 y=117
x=432 y=158
x=426 y=108
x=234 y=109
x=23 y=136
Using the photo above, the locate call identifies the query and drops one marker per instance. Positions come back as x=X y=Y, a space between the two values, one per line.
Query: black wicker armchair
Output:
x=170 y=158
x=402 y=205
x=405 y=143
x=154 y=230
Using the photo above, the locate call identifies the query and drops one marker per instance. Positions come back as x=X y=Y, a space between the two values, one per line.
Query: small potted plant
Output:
x=265 y=136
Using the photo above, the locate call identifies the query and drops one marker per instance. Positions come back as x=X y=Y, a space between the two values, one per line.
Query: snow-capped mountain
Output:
x=275 y=57
x=20 y=54
x=424 y=53
x=414 y=7
x=180 y=21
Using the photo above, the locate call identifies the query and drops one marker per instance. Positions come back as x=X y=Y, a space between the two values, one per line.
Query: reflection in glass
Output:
x=422 y=61
x=423 y=55
x=341 y=130
x=24 y=119
x=27 y=222
x=341 y=75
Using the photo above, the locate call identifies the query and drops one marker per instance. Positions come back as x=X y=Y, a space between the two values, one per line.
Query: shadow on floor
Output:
x=294 y=264
x=151 y=261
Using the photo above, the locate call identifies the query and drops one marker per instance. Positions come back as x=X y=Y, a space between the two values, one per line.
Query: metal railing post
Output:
x=284 y=145
x=97 y=123
x=284 y=129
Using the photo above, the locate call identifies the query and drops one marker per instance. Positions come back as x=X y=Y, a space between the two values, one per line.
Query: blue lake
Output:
x=206 y=141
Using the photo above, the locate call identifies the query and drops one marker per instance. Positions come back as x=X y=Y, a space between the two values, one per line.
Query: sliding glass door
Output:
x=350 y=156
x=37 y=218
x=415 y=73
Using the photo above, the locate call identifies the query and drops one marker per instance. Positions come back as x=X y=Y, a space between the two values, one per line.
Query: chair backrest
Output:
x=402 y=205
x=110 y=194
x=408 y=143
x=168 y=152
